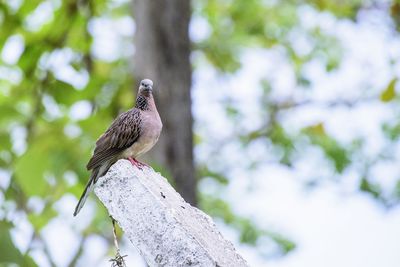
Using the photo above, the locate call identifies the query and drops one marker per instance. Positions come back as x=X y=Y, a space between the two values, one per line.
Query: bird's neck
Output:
x=145 y=102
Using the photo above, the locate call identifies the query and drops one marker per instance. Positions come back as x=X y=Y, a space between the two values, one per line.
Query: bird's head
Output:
x=146 y=87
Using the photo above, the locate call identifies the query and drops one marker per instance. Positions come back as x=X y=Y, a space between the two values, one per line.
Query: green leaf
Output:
x=332 y=149
x=40 y=220
x=371 y=188
x=392 y=131
x=9 y=253
x=286 y=245
x=317 y=129
x=31 y=167
x=27 y=7
x=281 y=138
x=63 y=92
x=204 y=171
x=346 y=9
x=390 y=92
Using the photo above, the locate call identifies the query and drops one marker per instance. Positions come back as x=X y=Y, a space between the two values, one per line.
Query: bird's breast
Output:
x=150 y=132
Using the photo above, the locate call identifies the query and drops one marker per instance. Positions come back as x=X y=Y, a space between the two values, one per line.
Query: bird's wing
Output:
x=122 y=133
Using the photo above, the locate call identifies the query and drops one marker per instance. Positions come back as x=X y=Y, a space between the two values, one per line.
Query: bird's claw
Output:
x=137 y=163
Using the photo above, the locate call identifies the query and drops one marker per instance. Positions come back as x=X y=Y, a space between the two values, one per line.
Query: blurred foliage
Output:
x=45 y=142
x=249 y=233
x=390 y=92
x=237 y=26
x=9 y=252
x=333 y=151
x=36 y=108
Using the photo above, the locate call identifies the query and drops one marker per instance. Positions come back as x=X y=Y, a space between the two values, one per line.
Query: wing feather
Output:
x=122 y=133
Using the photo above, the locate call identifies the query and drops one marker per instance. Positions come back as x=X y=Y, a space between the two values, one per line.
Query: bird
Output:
x=131 y=134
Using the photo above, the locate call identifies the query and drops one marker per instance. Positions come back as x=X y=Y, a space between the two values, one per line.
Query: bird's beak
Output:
x=146 y=89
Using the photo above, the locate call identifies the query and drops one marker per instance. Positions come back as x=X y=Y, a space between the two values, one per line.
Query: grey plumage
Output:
x=132 y=133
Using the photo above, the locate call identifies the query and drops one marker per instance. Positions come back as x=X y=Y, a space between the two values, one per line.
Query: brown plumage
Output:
x=131 y=134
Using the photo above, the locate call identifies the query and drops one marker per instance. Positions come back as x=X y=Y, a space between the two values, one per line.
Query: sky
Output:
x=333 y=224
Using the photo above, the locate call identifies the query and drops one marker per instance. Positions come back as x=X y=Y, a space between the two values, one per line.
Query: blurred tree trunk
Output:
x=162 y=54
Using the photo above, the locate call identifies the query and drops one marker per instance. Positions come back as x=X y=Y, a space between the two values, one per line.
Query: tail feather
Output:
x=88 y=189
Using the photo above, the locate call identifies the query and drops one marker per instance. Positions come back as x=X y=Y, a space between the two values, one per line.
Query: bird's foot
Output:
x=141 y=164
x=132 y=161
x=137 y=163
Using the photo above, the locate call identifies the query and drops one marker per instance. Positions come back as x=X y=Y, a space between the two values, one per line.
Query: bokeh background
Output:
x=281 y=120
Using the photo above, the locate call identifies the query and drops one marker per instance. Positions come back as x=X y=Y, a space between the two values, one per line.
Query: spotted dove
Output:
x=131 y=134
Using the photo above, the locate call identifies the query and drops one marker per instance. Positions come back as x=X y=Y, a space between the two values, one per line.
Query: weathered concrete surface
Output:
x=166 y=230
